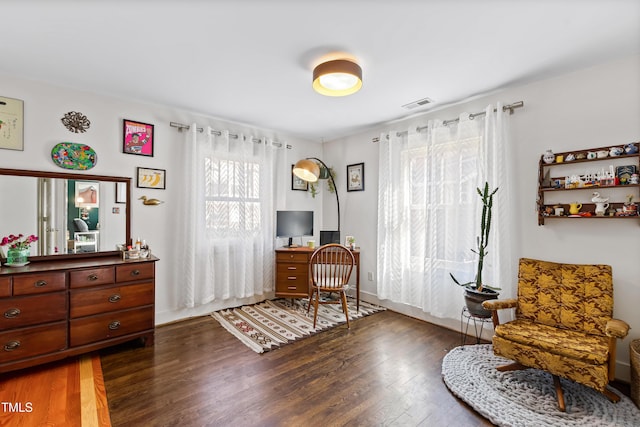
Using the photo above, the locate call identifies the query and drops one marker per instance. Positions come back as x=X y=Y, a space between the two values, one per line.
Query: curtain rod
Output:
x=509 y=107
x=182 y=127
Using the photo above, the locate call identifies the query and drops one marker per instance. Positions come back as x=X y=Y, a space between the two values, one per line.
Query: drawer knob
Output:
x=135 y=272
x=11 y=345
x=292 y=268
x=92 y=277
x=12 y=313
x=114 y=298
x=114 y=325
x=291 y=277
x=40 y=283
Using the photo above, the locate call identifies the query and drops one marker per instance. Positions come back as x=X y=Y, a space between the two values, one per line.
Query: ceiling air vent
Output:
x=418 y=103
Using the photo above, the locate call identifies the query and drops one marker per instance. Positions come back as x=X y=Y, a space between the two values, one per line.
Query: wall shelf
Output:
x=551 y=196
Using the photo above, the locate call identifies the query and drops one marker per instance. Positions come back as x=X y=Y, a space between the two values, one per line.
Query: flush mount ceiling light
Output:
x=339 y=77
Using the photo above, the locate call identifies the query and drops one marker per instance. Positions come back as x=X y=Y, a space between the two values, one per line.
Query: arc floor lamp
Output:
x=308 y=170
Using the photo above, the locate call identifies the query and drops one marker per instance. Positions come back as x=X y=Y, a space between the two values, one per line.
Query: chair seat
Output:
x=573 y=344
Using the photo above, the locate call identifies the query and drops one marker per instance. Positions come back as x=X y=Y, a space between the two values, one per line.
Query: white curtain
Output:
x=229 y=202
x=429 y=211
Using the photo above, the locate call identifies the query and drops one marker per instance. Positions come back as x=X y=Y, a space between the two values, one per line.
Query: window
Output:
x=232 y=196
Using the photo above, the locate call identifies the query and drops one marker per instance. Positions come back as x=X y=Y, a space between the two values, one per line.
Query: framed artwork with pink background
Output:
x=137 y=138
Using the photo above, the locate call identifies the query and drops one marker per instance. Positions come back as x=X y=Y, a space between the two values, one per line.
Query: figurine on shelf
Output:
x=548 y=157
x=631 y=148
x=629 y=208
x=615 y=151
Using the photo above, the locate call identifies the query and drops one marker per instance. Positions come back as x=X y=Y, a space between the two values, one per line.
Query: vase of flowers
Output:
x=17 y=248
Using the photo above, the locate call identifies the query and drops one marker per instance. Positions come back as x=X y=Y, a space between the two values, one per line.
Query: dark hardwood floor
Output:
x=384 y=371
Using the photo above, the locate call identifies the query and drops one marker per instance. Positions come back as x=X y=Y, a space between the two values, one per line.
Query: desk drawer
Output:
x=20 y=312
x=135 y=271
x=284 y=270
x=292 y=257
x=85 y=302
x=27 y=342
x=292 y=283
x=27 y=284
x=110 y=325
x=91 y=277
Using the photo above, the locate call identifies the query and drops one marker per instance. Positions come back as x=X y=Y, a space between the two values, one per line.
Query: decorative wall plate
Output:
x=76 y=122
x=69 y=155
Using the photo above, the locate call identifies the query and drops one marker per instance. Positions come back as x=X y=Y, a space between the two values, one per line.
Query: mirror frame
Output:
x=82 y=177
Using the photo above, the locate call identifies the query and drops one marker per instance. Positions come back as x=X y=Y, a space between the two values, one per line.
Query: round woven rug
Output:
x=527 y=397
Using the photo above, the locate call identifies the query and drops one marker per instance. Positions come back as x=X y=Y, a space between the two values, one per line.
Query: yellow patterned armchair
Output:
x=563 y=324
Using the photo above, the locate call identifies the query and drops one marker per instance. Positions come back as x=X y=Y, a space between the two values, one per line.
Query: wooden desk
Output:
x=292 y=273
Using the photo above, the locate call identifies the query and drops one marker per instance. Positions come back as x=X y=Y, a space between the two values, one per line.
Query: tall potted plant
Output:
x=476 y=291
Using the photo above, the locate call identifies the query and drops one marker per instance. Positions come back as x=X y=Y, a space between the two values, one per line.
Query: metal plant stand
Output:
x=478 y=325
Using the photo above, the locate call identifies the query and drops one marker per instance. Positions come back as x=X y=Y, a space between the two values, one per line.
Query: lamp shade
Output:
x=307 y=170
x=339 y=77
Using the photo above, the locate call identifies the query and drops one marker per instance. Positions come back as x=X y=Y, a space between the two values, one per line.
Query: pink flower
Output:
x=19 y=241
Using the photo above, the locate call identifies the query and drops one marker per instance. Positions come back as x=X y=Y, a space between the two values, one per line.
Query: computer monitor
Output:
x=292 y=224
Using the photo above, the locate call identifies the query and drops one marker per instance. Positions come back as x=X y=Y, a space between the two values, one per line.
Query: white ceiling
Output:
x=251 y=61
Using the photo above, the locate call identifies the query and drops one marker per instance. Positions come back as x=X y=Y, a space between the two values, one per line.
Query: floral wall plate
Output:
x=69 y=155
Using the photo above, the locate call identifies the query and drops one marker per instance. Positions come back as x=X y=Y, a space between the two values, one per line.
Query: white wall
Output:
x=44 y=106
x=594 y=107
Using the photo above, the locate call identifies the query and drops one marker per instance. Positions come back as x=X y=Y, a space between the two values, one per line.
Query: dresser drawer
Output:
x=91 y=277
x=31 y=310
x=85 y=302
x=27 y=284
x=110 y=325
x=135 y=271
x=292 y=257
x=5 y=287
x=27 y=342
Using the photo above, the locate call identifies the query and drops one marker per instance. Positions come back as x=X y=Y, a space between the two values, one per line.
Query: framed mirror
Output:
x=73 y=215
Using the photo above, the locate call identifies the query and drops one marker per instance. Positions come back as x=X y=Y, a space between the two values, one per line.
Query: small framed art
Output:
x=297 y=183
x=87 y=194
x=137 y=138
x=11 y=123
x=355 y=177
x=151 y=178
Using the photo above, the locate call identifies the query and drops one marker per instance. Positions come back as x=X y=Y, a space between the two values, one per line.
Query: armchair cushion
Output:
x=563 y=342
x=572 y=296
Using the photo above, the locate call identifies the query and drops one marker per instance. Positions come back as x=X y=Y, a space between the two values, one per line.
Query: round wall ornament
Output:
x=76 y=122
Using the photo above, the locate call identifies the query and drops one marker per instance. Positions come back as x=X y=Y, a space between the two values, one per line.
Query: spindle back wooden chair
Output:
x=330 y=268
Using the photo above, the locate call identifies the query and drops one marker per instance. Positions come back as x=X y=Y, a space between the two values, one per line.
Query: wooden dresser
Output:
x=55 y=309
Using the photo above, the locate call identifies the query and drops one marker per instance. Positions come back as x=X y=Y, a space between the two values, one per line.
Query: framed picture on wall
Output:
x=151 y=178
x=87 y=194
x=137 y=138
x=355 y=177
x=11 y=124
x=297 y=183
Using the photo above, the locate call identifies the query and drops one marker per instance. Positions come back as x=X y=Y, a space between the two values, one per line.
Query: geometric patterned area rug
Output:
x=273 y=323
x=528 y=397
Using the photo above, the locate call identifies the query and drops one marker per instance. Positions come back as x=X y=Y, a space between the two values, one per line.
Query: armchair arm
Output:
x=617 y=328
x=498 y=304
